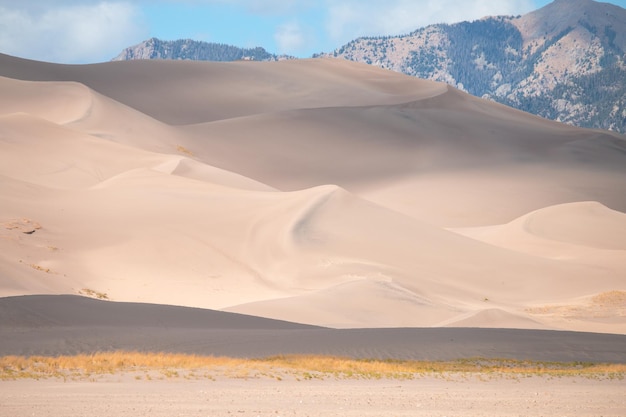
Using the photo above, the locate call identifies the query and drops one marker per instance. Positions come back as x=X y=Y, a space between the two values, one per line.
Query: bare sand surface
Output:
x=317 y=191
x=427 y=396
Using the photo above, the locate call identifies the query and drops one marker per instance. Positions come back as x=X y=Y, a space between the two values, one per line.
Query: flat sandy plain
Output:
x=119 y=396
x=302 y=207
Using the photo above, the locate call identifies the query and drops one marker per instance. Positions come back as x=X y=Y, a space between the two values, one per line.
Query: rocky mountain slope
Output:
x=565 y=61
x=194 y=50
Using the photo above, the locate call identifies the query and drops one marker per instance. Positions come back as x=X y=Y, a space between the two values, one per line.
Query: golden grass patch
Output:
x=170 y=365
x=184 y=150
x=608 y=304
x=40 y=268
x=611 y=298
x=88 y=292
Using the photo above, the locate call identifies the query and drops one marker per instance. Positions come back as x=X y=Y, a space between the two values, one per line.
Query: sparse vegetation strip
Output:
x=169 y=365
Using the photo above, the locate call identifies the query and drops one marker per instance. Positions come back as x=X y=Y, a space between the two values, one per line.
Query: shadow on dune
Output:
x=67 y=324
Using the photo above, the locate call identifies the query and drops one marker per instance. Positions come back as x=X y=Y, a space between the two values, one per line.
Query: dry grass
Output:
x=367 y=368
x=24 y=225
x=614 y=298
x=37 y=267
x=88 y=292
x=166 y=365
x=184 y=150
x=87 y=365
x=40 y=268
x=604 y=305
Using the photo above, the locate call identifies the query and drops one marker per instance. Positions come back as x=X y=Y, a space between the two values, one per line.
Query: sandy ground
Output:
x=316 y=191
x=429 y=396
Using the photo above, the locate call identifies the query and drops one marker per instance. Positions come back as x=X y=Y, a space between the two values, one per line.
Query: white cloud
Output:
x=349 y=19
x=69 y=31
x=290 y=37
x=77 y=31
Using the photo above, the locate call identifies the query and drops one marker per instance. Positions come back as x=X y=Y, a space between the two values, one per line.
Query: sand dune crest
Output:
x=586 y=223
x=57 y=102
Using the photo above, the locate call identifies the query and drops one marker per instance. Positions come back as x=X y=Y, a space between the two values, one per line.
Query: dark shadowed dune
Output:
x=56 y=325
x=74 y=311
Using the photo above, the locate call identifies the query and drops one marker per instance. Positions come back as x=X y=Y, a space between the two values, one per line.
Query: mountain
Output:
x=565 y=61
x=187 y=49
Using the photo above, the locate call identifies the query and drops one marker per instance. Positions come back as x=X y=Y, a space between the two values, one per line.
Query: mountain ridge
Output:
x=571 y=69
x=188 y=49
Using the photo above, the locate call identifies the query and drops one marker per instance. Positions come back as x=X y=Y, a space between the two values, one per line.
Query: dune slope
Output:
x=318 y=191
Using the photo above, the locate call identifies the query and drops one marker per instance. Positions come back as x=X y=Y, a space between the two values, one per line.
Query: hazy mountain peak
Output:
x=187 y=49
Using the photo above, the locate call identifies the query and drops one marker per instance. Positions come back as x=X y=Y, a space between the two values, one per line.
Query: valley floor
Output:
x=429 y=396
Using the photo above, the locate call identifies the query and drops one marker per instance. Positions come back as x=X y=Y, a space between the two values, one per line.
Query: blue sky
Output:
x=84 y=31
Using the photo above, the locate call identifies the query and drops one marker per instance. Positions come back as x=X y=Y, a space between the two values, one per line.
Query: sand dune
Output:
x=586 y=224
x=589 y=226
x=65 y=324
x=187 y=92
x=446 y=156
x=61 y=102
x=583 y=233
x=316 y=191
x=493 y=316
